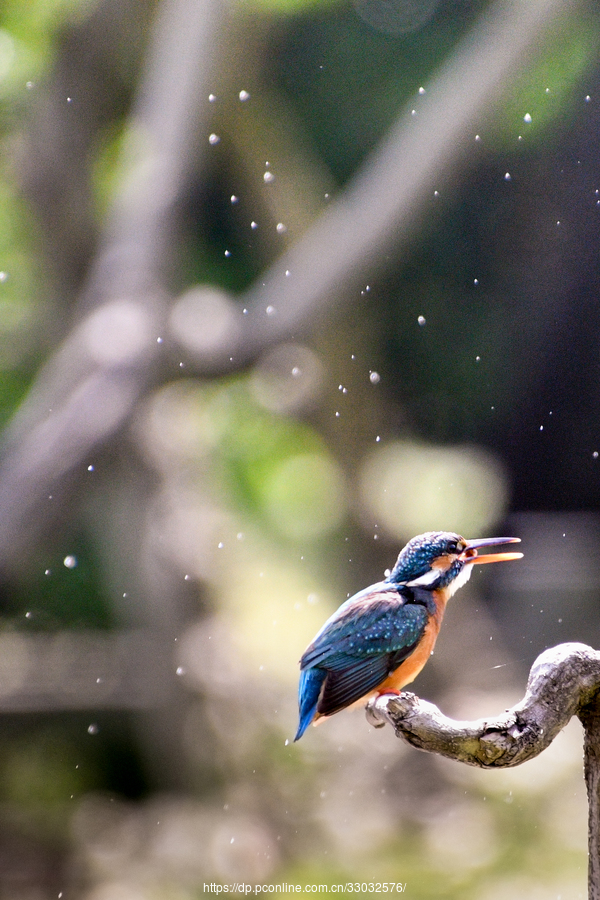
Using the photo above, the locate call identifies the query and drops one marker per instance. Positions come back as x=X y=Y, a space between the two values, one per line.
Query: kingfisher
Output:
x=379 y=640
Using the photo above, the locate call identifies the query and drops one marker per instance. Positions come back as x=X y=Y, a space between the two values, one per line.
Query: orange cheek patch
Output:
x=443 y=562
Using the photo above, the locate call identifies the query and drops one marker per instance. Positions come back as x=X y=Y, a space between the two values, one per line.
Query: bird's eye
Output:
x=452 y=546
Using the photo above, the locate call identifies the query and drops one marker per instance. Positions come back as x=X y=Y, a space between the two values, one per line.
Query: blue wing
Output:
x=357 y=648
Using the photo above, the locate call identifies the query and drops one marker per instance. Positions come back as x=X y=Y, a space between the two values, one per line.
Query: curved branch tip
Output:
x=562 y=682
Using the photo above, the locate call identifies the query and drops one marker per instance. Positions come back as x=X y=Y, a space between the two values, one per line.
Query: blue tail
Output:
x=311 y=682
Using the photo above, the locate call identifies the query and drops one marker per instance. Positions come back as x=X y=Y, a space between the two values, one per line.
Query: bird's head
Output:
x=441 y=559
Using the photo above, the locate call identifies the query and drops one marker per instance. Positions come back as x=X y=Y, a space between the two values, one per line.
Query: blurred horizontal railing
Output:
x=70 y=670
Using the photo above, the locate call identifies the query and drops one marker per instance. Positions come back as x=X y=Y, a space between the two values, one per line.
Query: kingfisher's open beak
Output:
x=471 y=555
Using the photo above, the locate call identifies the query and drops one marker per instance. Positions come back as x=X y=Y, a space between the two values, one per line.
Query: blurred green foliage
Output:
x=279 y=469
x=62 y=591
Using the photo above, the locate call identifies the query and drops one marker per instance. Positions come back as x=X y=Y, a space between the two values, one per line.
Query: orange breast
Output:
x=410 y=668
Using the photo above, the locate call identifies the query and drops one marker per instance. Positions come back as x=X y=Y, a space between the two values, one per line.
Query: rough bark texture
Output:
x=590 y=719
x=564 y=681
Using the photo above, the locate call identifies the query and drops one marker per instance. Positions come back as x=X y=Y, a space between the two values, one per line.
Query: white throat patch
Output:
x=429 y=578
x=461 y=579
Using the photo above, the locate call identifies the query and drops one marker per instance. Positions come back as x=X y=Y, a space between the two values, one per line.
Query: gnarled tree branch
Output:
x=564 y=681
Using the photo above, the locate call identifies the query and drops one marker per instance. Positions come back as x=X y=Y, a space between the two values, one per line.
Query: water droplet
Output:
x=3 y=277
x=270 y=310
x=587 y=98
x=268 y=177
x=70 y=562
x=213 y=139
x=28 y=615
x=211 y=98
x=507 y=176
x=377 y=439
x=286 y=743
x=476 y=281
x=527 y=118
x=296 y=372
x=374 y=377
x=477 y=359
x=227 y=253
x=477 y=137
x=436 y=193
x=421 y=90
x=240 y=535
x=220 y=545
x=180 y=670
x=29 y=85
x=422 y=320
x=159 y=340
x=234 y=199
x=541 y=427
x=244 y=95
x=48 y=572
x=253 y=225
x=595 y=454
x=281 y=228
x=90 y=468
x=93 y=728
